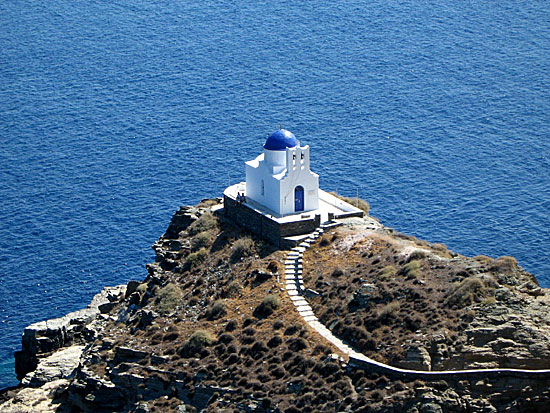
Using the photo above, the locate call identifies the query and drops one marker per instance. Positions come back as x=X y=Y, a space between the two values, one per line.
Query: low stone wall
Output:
x=398 y=373
x=350 y=214
x=267 y=228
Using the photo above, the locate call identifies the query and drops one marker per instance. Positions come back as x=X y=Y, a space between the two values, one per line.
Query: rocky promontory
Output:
x=212 y=328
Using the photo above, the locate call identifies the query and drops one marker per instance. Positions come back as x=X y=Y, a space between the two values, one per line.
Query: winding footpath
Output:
x=294 y=284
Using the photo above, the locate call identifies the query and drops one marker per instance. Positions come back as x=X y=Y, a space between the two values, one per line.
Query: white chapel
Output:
x=280 y=178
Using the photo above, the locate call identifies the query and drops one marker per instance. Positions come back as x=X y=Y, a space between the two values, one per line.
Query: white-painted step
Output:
x=306 y=313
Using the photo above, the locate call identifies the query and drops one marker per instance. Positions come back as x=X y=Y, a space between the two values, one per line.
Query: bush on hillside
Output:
x=269 y=304
x=201 y=240
x=389 y=310
x=197 y=343
x=243 y=247
x=206 y=222
x=412 y=269
x=387 y=272
x=471 y=290
x=484 y=259
x=217 y=310
x=505 y=264
x=195 y=258
x=168 y=298
x=231 y=290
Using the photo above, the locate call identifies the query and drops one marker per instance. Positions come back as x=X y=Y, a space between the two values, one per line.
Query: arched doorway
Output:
x=299 y=199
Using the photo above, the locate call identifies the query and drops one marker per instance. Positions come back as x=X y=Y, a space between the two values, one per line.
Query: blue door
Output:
x=299 y=199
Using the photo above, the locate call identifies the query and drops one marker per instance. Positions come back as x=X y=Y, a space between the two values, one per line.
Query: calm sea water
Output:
x=113 y=114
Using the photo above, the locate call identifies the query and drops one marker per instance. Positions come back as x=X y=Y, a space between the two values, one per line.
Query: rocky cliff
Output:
x=212 y=328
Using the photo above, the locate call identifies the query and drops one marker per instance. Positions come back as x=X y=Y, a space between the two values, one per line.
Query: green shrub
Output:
x=198 y=341
x=243 y=247
x=195 y=258
x=206 y=222
x=338 y=272
x=269 y=304
x=412 y=269
x=387 y=272
x=217 y=310
x=168 y=298
x=201 y=240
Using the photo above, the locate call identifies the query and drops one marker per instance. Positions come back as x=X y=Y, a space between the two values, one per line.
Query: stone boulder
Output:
x=60 y=365
x=417 y=358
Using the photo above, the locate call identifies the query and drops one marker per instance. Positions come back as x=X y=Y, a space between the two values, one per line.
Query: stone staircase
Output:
x=294 y=284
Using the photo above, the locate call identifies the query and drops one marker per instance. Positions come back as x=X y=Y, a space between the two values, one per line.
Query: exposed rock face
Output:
x=60 y=365
x=498 y=337
x=417 y=358
x=43 y=399
x=47 y=336
x=183 y=217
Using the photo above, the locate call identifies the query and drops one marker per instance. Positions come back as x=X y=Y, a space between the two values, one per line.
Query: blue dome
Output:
x=280 y=140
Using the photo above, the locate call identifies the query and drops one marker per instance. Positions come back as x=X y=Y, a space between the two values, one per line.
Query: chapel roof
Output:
x=280 y=140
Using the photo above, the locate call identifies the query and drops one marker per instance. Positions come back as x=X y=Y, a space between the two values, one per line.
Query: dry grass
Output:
x=207 y=203
x=470 y=290
x=484 y=259
x=389 y=310
x=505 y=264
x=441 y=249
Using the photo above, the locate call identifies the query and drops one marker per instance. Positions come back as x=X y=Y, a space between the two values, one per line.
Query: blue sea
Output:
x=113 y=114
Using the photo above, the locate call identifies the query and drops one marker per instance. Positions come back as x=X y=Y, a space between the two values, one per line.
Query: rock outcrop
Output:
x=45 y=337
x=191 y=336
